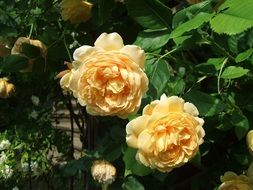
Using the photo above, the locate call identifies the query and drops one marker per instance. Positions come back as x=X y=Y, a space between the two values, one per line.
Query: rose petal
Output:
x=141 y=158
x=73 y=83
x=171 y=104
x=144 y=142
x=191 y=109
x=64 y=82
x=135 y=53
x=109 y=42
x=134 y=128
x=148 y=109
x=83 y=51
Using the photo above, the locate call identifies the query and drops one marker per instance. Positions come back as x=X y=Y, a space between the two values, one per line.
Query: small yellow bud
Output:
x=6 y=89
x=103 y=172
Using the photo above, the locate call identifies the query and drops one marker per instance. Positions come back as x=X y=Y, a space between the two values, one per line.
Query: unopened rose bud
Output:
x=6 y=88
x=249 y=140
x=103 y=172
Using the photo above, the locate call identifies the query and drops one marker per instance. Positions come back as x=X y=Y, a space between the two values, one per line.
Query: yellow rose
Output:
x=249 y=140
x=108 y=78
x=6 y=88
x=167 y=135
x=76 y=11
x=231 y=181
x=17 y=50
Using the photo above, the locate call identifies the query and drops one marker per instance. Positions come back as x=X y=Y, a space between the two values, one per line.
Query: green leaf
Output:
x=250 y=38
x=233 y=43
x=36 y=11
x=177 y=86
x=184 y=14
x=150 y=14
x=13 y=63
x=151 y=40
x=207 y=105
x=132 y=183
x=194 y=23
x=241 y=124
x=160 y=76
x=132 y=166
x=243 y=159
x=210 y=67
x=150 y=60
x=196 y=160
x=72 y=167
x=235 y=19
x=112 y=152
x=224 y=122
x=243 y=56
x=233 y=72
x=181 y=39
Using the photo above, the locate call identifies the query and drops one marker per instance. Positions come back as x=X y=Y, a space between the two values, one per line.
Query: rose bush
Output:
x=194 y=52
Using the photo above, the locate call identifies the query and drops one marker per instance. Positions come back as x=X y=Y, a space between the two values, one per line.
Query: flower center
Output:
x=115 y=86
x=173 y=138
